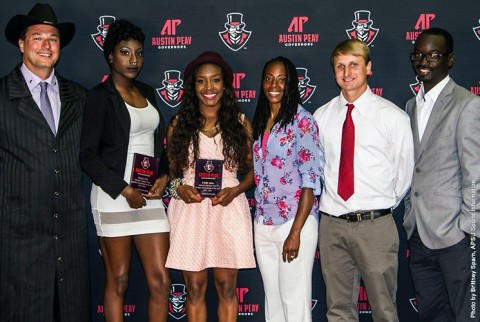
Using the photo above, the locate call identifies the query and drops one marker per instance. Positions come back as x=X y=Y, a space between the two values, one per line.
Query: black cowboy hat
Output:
x=40 y=14
x=209 y=57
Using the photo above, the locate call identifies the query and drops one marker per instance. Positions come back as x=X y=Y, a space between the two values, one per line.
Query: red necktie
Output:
x=345 y=173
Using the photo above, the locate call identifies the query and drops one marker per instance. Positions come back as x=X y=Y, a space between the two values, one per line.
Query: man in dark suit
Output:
x=44 y=273
x=441 y=216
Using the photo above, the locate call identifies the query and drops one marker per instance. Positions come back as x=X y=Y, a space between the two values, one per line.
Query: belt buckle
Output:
x=354 y=216
x=358 y=214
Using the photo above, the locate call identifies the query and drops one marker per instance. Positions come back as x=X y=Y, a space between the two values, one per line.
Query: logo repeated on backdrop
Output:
x=105 y=22
x=363 y=305
x=244 y=307
x=415 y=87
x=476 y=30
x=172 y=91
x=377 y=90
x=306 y=89
x=235 y=36
x=243 y=95
x=362 y=27
x=296 y=35
x=128 y=310
x=423 y=23
x=169 y=37
x=475 y=89
x=178 y=297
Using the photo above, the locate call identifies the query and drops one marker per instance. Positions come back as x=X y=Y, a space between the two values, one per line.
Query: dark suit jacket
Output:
x=105 y=136
x=444 y=201
x=43 y=223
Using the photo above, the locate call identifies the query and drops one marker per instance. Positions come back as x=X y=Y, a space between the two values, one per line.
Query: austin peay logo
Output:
x=363 y=305
x=306 y=89
x=377 y=90
x=362 y=27
x=209 y=166
x=415 y=87
x=172 y=91
x=476 y=30
x=145 y=163
x=105 y=22
x=296 y=36
x=475 y=89
x=235 y=36
x=169 y=38
x=245 y=309
x=178 y=297
x=242 y=95
x=128 y=309
x=423 y=23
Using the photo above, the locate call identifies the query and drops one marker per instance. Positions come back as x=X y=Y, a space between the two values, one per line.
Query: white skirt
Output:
x=115 y=218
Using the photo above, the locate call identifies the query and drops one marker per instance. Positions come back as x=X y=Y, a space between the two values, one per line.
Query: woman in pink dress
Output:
x=213 y=230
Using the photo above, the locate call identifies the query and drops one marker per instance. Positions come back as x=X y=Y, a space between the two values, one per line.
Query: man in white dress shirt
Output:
x=368 y=148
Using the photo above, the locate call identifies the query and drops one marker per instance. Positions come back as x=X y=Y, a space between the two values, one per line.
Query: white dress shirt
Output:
x=425 y=104
x=383 y=157
x=33 y=83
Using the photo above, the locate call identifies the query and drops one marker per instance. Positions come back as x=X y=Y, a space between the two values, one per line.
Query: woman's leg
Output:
x=196 y=306
x=116 y=254
x=226 y=285
x=152 y=250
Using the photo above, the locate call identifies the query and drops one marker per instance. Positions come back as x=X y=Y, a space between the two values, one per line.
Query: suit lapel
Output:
x=119 y=107
x=436 y=115
x=27 y=108
x=414 y=124
x=68 y=111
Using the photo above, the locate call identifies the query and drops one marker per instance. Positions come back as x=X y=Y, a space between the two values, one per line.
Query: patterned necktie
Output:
x=46 y=107
x=345 y=174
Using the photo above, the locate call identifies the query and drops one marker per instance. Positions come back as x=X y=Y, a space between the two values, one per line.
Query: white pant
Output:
x=287 y=286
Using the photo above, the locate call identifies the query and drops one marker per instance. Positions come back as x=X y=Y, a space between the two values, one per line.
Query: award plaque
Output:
x=144 y=172
x=208 y=177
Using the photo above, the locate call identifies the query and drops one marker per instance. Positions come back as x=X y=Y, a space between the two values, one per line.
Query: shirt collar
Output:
x=433 y=93
x=33 y=80
x=360 y=103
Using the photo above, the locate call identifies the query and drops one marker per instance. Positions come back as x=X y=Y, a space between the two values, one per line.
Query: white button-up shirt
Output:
x=383 y=157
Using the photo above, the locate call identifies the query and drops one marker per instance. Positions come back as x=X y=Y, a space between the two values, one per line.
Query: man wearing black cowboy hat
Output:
x=43 y=231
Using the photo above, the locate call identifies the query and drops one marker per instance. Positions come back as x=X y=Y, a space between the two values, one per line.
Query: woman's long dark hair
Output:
x=289 y=104
x=189 y=121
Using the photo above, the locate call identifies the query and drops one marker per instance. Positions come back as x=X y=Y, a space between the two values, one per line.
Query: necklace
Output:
x=216 y=127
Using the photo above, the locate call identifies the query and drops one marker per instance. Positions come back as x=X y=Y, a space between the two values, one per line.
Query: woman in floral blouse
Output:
x=288 y=167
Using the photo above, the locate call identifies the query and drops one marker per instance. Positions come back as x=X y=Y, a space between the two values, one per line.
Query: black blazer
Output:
x=105 y=136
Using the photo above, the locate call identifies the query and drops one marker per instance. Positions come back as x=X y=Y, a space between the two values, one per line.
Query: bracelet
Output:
x=174 y=184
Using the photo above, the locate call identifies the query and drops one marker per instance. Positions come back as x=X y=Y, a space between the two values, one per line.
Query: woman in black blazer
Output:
x=122 y=119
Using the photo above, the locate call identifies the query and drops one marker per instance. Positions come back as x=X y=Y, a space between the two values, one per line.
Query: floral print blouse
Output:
x=292 y=160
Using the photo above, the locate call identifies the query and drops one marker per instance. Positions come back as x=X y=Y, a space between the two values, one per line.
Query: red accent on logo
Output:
x=423 y=21
x=297 y=24
x=170 y=27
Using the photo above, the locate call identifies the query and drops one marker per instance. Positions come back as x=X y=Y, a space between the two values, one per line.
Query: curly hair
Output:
x=118 y=31
x=290 y=99
x=189 y=120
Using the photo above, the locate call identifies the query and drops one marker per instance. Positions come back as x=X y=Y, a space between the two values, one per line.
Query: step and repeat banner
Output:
x=248 y=33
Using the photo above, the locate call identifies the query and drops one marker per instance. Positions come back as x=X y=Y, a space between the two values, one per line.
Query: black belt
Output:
x=361 y=215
